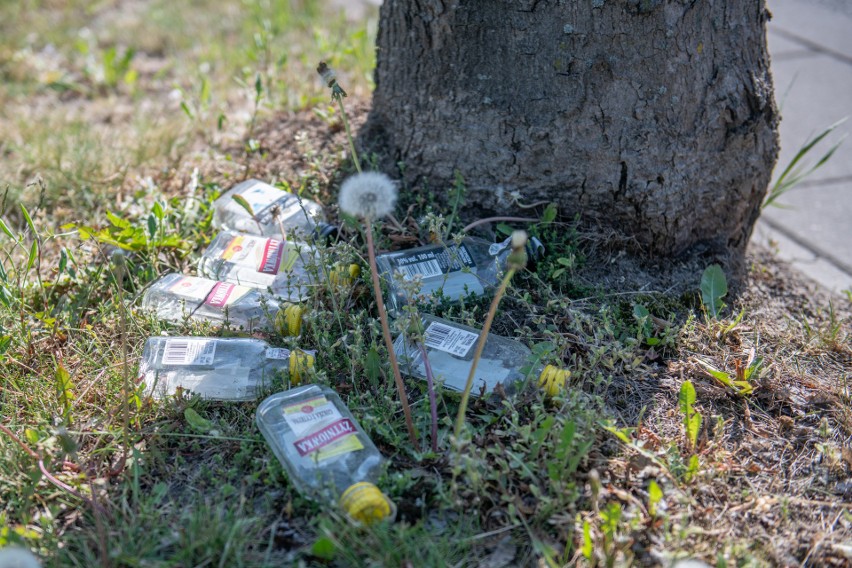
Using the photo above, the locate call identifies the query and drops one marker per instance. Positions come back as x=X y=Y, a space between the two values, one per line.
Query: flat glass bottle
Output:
x=289 y=269
x=326 y=454
x=299 y=217
x=217 y=368
x=472 y=267
x=451 y=346
x=175 y=297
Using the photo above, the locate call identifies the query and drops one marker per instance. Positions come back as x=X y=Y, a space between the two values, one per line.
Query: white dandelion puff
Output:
x=519 y=239
x=368 y=195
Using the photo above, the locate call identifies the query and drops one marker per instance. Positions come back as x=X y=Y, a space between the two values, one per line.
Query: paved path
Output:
x=810 y=42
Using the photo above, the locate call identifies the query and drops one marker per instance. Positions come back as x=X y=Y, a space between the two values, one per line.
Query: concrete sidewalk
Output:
x=810 y=42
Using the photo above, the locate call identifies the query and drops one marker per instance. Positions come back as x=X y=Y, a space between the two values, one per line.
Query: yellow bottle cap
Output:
x=300 y=362
x=288 y=320
x=365 y=503
x=344 y=276
x=552 y=379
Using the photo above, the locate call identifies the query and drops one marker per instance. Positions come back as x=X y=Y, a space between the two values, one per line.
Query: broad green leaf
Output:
x=566 y=440
x=243 y=203
x=693 y=427
x=692 y=419
x=204 y=95
x=158 y=210
x=549 y=214
x=33 y=255
x=118 y=221
x=324 y=548
x=63 y=261
x=714 y=287
x=64 y=386
x=692 y=468
x=687 y=397
x=5 y=228
x=152 y=225
x=28 y=219
x=622 y=434
x=751 y=369
x=186 y=110
x=504 y=229
x=640 y=311
x=31 y=436
x=196 y=422
x=655 y=495
x=373 y=365
x=588 y=547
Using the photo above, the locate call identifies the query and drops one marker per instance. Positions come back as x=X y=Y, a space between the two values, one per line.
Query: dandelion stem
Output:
x=430 y=385
x=480 y=345
x=355 y=159
x=383 y=317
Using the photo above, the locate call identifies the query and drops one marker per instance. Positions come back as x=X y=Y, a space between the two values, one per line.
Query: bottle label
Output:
x=195 y=352
x=320 y=429
x=224 y=294
x=451 y=340
x=192 y=288
x=277 y=353
x=261 y=195
x=433 y=262
x=263 y=255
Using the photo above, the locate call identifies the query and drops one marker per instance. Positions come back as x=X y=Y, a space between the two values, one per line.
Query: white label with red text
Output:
x=321 y=431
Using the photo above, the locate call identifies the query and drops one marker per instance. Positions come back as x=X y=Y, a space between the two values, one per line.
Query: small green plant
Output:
x=691 y=417
x=793 y=174
x=741 y=382
x=655 y=496
x=644 y=325
x=714 y=287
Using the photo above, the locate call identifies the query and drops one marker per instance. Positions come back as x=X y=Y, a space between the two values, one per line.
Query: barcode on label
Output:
x=449 y=339
x=425 y=269
x=277 y=353
x=189 y=352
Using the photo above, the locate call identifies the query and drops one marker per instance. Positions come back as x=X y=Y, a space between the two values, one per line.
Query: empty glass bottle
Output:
x=451 y=346
x=217 y=368
x=289 y=269
x=325 y=452
x=175 y=297
x=271 y=206
x=472 y=267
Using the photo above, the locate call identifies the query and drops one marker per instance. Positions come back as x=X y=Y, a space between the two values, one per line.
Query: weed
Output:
x=714 y=287
x=793 y=175
x=741 y=382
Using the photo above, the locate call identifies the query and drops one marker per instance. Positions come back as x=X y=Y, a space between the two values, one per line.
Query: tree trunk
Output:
x=652 y=117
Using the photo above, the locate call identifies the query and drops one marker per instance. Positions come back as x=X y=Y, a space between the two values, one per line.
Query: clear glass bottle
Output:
x=451 y=346
x=299 y=217
x=217 y=368
x=325 y=452
x=472 y=267
x=289 y=269
x=175 y=297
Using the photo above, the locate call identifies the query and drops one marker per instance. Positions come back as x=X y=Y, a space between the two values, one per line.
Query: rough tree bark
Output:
x=653 y=117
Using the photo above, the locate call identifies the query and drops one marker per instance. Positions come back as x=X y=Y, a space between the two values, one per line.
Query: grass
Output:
x=537 y=482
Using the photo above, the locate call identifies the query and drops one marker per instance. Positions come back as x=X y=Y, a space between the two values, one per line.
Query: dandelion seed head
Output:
x=369 y=195
x=519 y=239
